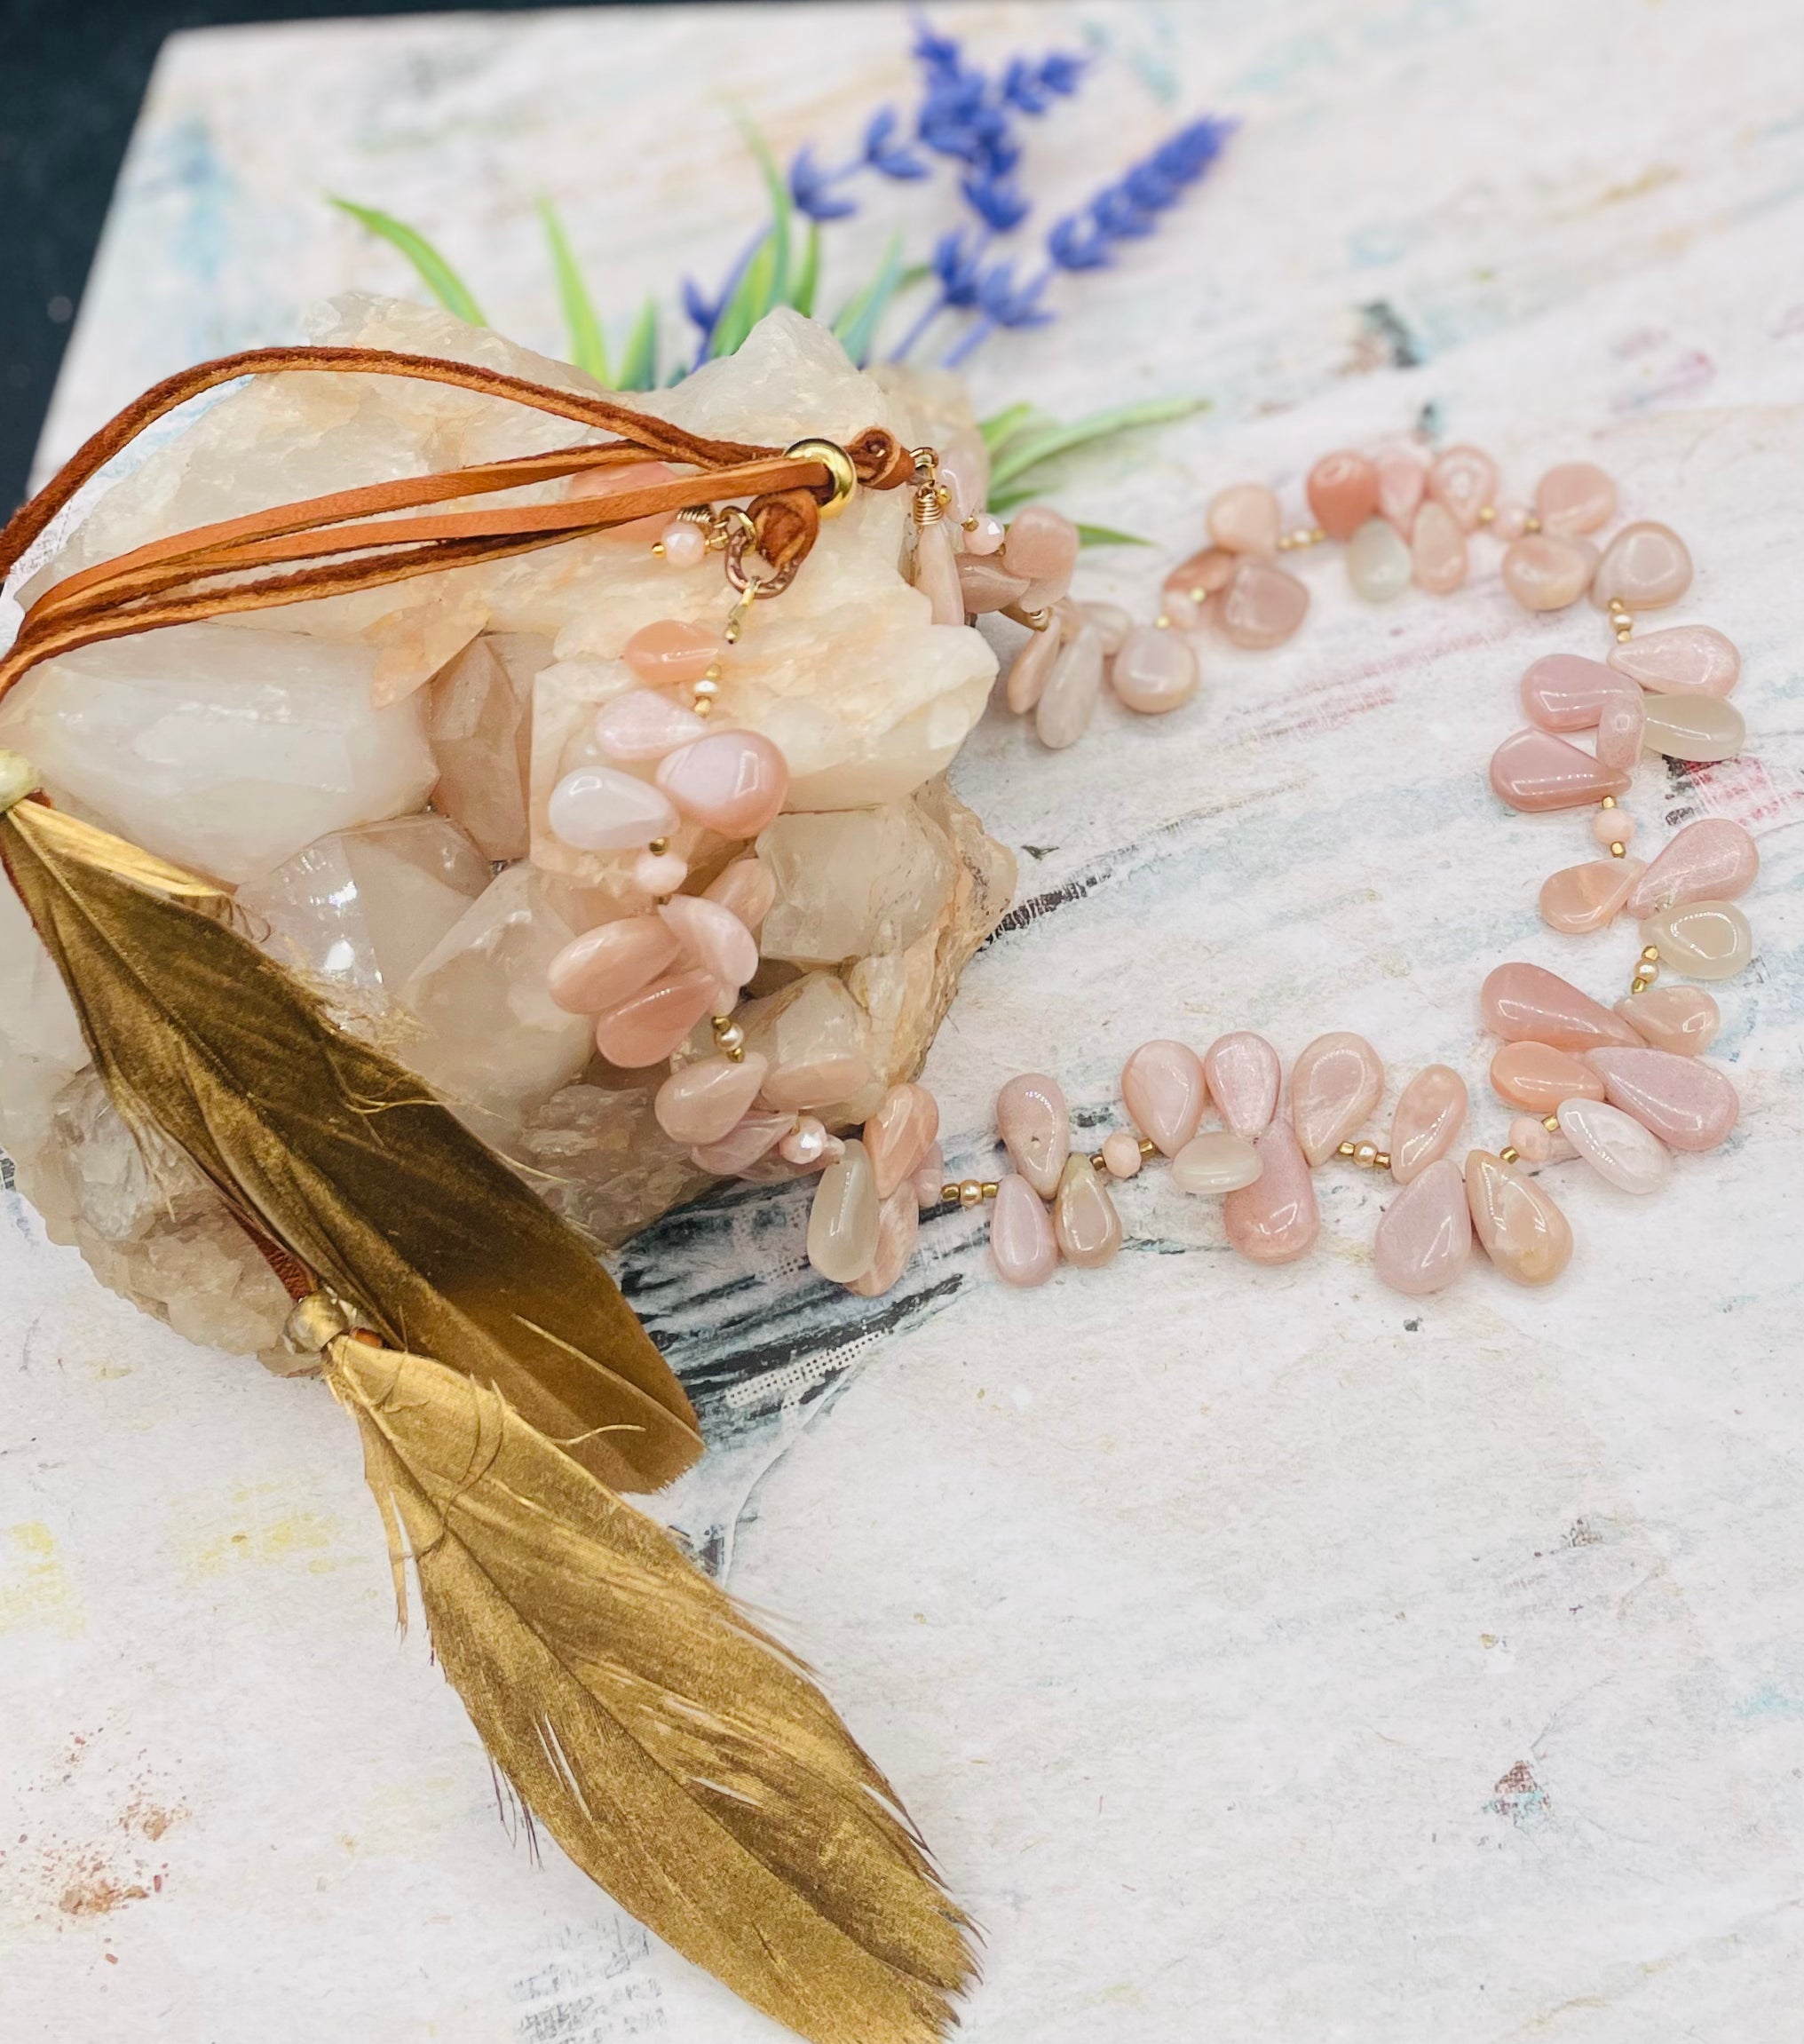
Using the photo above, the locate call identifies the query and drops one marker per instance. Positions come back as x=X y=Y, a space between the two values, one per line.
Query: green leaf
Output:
x=809 y=282
x=588 y=347
x=1040 y=444
x=435 y=273
x=639 y=365
x=1107 y=535
x=782 y=213
x=857 y=324
x=750 y=301
x=999 y=425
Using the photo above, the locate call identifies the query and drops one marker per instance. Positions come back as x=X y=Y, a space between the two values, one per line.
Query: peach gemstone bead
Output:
x=1694 y=727
x=899 y=1230
x=684 y=544
x=1510 y=519
x=1646 y=565
x=1084 y=1220
x=1334 y=1085
x=1424 y=1238
x=600 y=809
x=1032 y=669
x=746 y=888
x=1523 y=1232
x=1682 y=1019
x=1579 y=898
x=983 y=536
x=647 y=1027
x=1069 y=700
x=1689 y=1105
x=1042 y=547
x=659 y=872
x=1535 y=1142
x=1428 y=1117
x=809 y=1147
x=1242 y=1072
x=930 y=1177
x=986 y=585
x=899 y=1134
x=1566 y=692
x=1120 y=1155
x=1527 y=1003
x=1465 y=481
x=1535 y=771
x=1437 y=549
x=1539 y=1077
x=608 y=482
x=1543 y=571
x=1612 y=827
x=811 y=1082
x=707 y=1099
x=1620 y=729
x=1163 y=1085
x=1703 y=939
x=671 y=651
x=1576 y=497
x=640 y=726
x=755 y=1137
x=1034 y=1123
x=1154 y=670
x=1712 y=859
x=1216 y=1162
x=1021 y=1243
x=734 y=782
x=714 y=937
x=1274 y=1219
x=1617 y=1148
x=1112 y=626
x=843 y=1222
x=1342 y=490
x=1378 y=561
x=602 y=966
x=937 y=574
x=1193 y=583
x=1261 y=605
x=1243 y=518
x=1680 y=660
x=1401 y=481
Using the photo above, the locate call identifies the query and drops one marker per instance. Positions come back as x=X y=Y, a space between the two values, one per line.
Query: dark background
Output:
x=72 y=74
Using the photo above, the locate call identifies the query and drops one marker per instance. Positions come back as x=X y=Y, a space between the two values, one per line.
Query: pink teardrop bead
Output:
x=1580 y=898
x=1539 y=1077
x=899 y=1230
x=1342 y=490
x=1275 y=1219
x=647 y=1027
x=602 y=967
x=1534 y=770
x=1525 y=1234
x=601 y=809
x=1154 y=672
x=1682 y=1019
x=1401 y=481
x=1646 y=565
x=1427 y=1118
x=1263 y=605
x=734 y=782
x=986 y=585
x=1544 y=571
x=1112 y=626
x=1163 y=1085
x=1242 y=1073
x=1566 y=692
x=1243 y=518
x=1031 y=669
x=640 y=726
x=1437 y=550
x=1042 y=546
x=1575 y=497
x=714 y=937
x=751 y=1139
x=809 y=1083
x=936 y=574
x=898 y=1135
x=707 y=1100
x=1527 y=1003
x=1190 y=585
x=1712 y=859
x=1021 y=1244
x=1465 y=481
x=1034 y=1123
x=929 y=1177
x=1424 y=1238
x=671 y=653
x=1689 y=1105
x=1334 y=1085
x=1680 y=660
x=746 y=887
x=659 y=872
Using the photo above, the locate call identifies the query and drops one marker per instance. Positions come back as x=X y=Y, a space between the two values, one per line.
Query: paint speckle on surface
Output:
x=35 y=1588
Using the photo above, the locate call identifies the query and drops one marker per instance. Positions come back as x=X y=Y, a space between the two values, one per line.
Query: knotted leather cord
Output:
x=147 y=587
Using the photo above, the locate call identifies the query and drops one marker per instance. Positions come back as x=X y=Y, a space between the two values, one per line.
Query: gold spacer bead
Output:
x=948 y=1192
x=1508 y=1153
x=658 y=548
x=1488 y=515
x=1609 y=802
x=1531 y=523
x=730 y=1037
x=1551 y=1123
x=1618 y=848
x=1346 y=1150
x=969 y=524
x=1637 y=985
x=704 y=707
x=1098 y=1162
x=1624 y=634
x=1652 y=953
x=1148 y=1147
x=1162 y=622
x=657 y=847
x=991 y=1188
x=1383 y=1159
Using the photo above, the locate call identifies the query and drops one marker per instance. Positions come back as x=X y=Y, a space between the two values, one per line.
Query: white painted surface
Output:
x=1265 y=1656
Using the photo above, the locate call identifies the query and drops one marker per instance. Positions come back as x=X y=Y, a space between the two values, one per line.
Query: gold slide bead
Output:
x=841 y=468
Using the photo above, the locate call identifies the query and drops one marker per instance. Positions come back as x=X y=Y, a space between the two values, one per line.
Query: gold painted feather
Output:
x=336 y=1153
x=675 y=1751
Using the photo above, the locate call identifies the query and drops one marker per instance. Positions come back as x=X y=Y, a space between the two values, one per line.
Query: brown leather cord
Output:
x=132 y=593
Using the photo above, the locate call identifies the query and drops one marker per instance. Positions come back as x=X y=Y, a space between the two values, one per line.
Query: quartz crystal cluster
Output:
x=386 y=779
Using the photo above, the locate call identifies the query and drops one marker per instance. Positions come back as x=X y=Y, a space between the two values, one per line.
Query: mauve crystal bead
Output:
x=1703 y=939
x=1575 y=497
x=1034 y=1123
x=734 y=782
x=640 y=726
x=937 y=574
x=1069 y=698
x=1580 y=898
x=600 y=809
x=1244 y=519
x=1437 y=549
x=1712 y=859
x=1534 y=770
x=1689 y=1105
x=1154 y=672
x=1274 y=1219
x=1465 y=481
x=898 y=1228
x=647 y=1027
x=1544 y=571
x=1042 y=546
x=1424 y=1238
x=1523 y=1232
x=1335 y=1084
x=843 y=1222
x=1427 y=1118
x=1616 y=1145
x=602 y=967
x=707 y=1099
x=1163 y=1085
x=1646 y=565
x=714 y=937
x=898 y=1136
x=1566 y=692
x=1683 y=1020
x=1527 y=1003
x=1680 y=660
x=986 y=585
x=1539 y=1077
x=1378 y=561
x=1242 y=1073
x=671 y=651
x=1263 y=605
x=1084 y=1219
x=1342 y=490
x=1021 y=1243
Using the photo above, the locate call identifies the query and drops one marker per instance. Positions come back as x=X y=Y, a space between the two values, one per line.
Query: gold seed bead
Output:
x=991 y=1188
x=730 y=1037
x=1488 y=515
x=1618 y=848
x=704 y=708
x=1346 y=1150
x=1508 y=1153
x=1098 y=1161
x=657 y=847
x=1148 y=1147
x=1531 y=523
x=1551 y=1123
x=949 y=1192
x=1383 y=1159
x=1162 y=622
x=970 y=1192
x=1609 y=802
x=1638 y=984
x=970 y=523
x=1652 y=953
x=658 y=548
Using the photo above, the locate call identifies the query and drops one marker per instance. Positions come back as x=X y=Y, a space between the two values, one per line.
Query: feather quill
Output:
x=675 y=1751
x=336 y=1153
